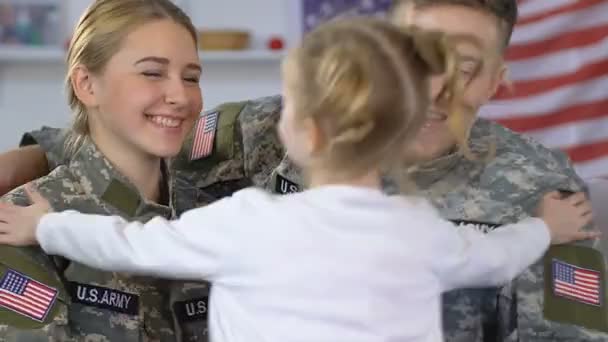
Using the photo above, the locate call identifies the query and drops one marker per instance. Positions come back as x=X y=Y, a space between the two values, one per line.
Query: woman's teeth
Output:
x=165 y=121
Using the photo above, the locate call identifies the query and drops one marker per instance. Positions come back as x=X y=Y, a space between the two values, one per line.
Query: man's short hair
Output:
x=504 y=10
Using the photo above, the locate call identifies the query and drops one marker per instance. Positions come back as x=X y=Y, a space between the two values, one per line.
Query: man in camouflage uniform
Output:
x=488 y=191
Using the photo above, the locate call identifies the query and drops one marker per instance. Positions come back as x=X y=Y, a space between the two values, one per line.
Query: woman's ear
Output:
x=82 y=83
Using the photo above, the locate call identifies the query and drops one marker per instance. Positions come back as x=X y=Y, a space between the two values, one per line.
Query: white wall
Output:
x=31 y=93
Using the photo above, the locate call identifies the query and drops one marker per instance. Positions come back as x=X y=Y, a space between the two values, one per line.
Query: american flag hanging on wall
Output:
x=315 y=12
x=558 y=62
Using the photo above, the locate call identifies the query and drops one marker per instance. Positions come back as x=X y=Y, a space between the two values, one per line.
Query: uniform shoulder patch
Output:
x=26 y=296
x=574 y=286
x=284 y=186
x=484 y=227
x=192 y=310
x=204 y=136
x=576 y=283
x=104 y=298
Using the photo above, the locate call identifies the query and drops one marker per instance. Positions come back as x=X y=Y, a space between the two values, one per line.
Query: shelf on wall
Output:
x=27 y=54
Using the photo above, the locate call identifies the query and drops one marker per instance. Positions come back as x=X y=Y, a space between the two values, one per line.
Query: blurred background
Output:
x=558 y=63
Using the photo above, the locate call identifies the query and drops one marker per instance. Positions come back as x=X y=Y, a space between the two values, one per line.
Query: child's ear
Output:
x=316 y=138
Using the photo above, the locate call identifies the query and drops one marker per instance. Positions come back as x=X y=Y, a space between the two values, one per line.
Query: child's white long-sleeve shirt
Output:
x=334 y=263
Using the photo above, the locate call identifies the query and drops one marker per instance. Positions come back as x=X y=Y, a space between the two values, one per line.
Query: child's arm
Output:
x=191 y=247
x=468 y=257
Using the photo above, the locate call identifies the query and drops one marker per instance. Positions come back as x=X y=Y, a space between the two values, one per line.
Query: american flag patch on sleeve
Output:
x=204 y=136
x=576 y=283
x=26 y=296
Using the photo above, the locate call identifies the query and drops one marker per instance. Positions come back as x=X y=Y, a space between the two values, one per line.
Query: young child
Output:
x=341 y=261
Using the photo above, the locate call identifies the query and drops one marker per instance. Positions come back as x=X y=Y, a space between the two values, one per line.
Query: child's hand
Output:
x=18 y=224
x=566 y=217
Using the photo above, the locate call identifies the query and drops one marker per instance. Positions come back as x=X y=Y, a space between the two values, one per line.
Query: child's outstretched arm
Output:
x=468 y=257
x=191 y=247
x=186 y=248
x=471 y=258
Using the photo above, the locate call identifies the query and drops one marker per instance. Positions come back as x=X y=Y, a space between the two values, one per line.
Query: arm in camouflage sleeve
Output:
x=51 y=141
x=41 y=151
x=519 y=308
x=19 y=166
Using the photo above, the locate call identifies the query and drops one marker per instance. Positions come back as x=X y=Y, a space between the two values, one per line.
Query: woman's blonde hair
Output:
x=365 y=83
x=99 y=35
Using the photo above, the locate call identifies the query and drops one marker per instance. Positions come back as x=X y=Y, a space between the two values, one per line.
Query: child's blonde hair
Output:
x=99 y=35
x=365 y=83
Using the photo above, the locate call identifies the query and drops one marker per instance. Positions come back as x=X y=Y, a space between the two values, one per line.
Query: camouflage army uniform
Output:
x=244 y=129
x=501 y=190
x=104 y=306
x=490 y=192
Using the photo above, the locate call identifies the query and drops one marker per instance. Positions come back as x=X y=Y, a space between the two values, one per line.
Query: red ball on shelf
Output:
x=276 y=43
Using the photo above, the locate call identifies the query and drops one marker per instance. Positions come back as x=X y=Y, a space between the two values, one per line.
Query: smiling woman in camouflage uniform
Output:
x=133 y=85
x=491 y=192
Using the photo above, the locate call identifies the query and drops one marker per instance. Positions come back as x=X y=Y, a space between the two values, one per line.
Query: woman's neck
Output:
x=141 y=169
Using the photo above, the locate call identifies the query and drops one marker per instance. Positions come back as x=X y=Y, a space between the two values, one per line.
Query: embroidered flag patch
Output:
x=26 y=296
x=204 y=136
x=576 y=283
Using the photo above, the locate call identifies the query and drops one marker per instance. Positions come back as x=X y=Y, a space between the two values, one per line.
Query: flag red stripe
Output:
x=42 y=298
x=577 y=296
x=568 y=40
x=9 y=298
x=538 y=86
x=587 y=272
x=43 y=289
x=587 y=279
x=566 y=115
x=579 y=5
x=198 y=136
x=587 y=286
x=581 y=287
x=572 y=289
x=20 y=308
x=587 y=152
x=34 y=301
x=27 y=296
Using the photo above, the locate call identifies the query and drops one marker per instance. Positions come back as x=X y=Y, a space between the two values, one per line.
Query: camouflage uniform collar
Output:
x=100 y=179
x=481 y=144
x=434 y=170
x=289 y=170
